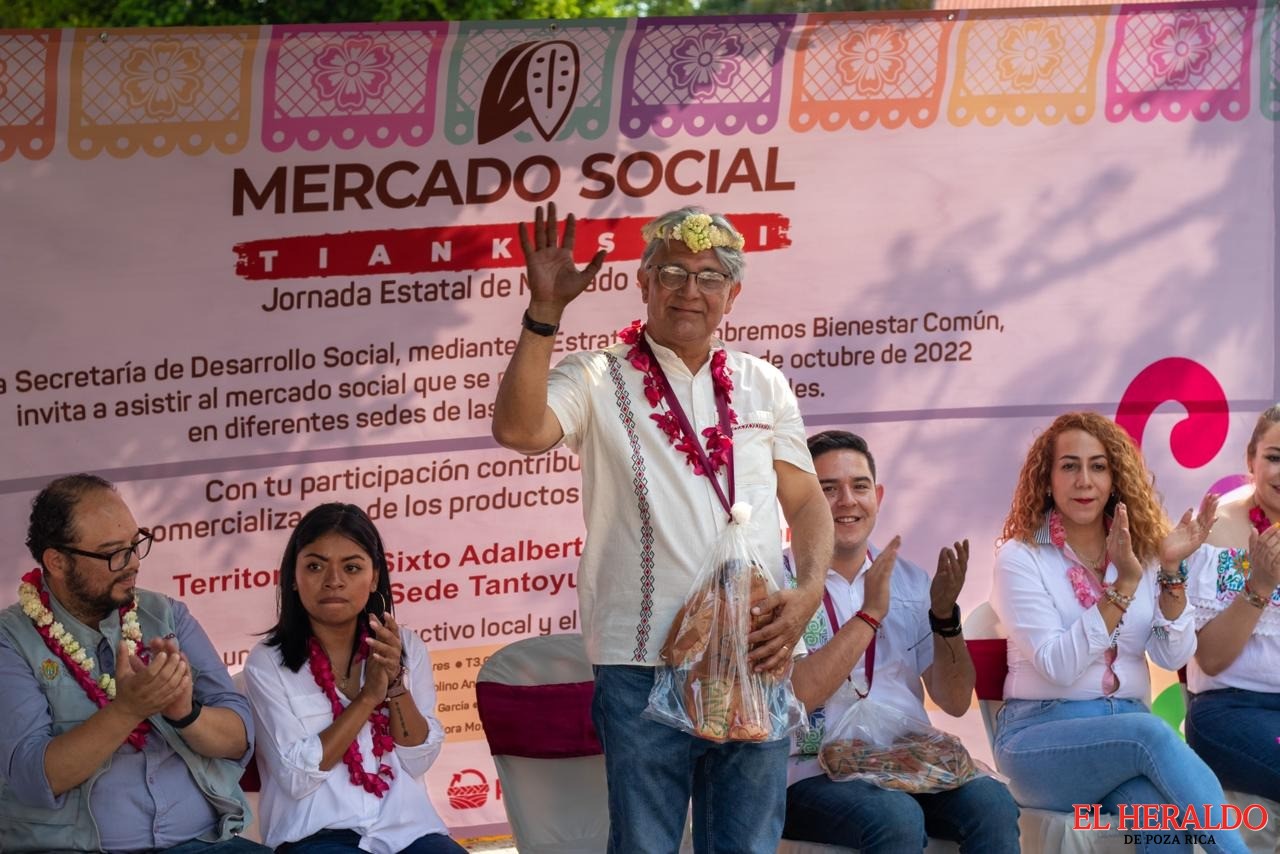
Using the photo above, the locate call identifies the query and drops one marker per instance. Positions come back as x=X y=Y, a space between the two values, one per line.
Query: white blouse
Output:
x=298 y=799
x=1057 y=647
x=1216 y=578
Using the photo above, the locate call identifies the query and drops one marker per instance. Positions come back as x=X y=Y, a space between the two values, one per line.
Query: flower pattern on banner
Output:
x=1182 y=48
x=1030 y=53
x=157 y=90
x=699 y=75
x=1027 y=65
x=28 y=92
x=350 y=84
x=858 y=70
x=1181 y=60
x=353 y=72
x=873 y=58
x=160 y=77
x=705 y=62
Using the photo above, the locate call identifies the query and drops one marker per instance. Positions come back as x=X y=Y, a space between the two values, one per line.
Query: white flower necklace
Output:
x=35 y=604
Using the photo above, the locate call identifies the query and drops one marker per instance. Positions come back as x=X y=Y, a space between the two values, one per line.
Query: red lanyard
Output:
x=686 y=429
x=870 y=655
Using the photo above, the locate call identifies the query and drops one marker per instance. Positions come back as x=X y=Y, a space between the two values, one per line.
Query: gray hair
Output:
x=733 y=260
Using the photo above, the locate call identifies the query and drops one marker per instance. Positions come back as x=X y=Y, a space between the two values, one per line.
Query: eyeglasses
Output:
x=673 y=277
x=118 y=559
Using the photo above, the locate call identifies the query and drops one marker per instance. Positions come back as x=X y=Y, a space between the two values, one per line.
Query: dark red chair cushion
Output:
x=538 y=721
x=990 y=660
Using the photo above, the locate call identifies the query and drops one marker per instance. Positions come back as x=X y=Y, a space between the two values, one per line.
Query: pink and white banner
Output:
x=248 y=270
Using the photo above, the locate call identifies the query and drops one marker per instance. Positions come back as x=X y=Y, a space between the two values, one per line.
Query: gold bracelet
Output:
x=1120 y=600
x=1253 y=598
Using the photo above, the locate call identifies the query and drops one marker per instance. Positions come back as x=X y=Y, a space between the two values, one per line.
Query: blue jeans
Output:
x=980 y=815
x=738 y=788
x=348 y=841
x=1058 y=753
x=1235 y=732
x=234 y=845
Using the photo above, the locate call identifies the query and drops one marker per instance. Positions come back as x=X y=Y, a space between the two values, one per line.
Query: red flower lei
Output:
x=719 y=442
x=94 y=691
x=383 y=743
x=1259 y=518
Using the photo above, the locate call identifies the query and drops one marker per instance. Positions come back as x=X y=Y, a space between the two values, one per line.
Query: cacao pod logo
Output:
x=533 y=81
x=469 y=794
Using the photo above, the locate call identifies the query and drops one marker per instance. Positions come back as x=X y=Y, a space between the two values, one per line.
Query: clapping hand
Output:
x=1120 y=547
x=1264 y=561
x=876 y=599
x=162 y=686
x=1189 y=534
x=948 y=581
x=383 y=665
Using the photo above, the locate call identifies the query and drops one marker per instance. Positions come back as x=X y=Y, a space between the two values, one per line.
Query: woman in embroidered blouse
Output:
x=343 y=702
x=1075 y=587
x=1234 y=715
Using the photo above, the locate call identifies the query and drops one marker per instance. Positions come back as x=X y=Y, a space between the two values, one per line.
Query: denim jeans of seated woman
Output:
x=738 y=788
x=980 y=815
x=1058 y=753
x=1237 y=733
x=348 y=841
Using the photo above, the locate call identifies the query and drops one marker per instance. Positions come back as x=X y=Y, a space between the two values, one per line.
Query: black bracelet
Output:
x=183 y=723
x=948 y=628
x=546 y=330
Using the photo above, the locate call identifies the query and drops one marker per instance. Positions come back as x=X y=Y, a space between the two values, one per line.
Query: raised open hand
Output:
x=1190 y=532
x=554 y=280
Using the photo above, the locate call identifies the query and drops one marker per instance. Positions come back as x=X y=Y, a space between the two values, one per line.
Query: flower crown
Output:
x=697 y=232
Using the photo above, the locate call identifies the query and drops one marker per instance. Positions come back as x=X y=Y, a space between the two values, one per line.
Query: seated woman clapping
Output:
x=1086 y=586
x=343 y=701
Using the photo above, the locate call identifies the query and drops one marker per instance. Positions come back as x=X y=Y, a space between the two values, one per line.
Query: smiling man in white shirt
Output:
x=884 y=625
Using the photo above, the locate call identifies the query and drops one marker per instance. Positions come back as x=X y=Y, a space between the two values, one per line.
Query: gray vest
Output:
x=72 y=827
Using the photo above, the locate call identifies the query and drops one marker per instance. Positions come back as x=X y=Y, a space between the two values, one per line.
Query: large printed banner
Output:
x=248 y=270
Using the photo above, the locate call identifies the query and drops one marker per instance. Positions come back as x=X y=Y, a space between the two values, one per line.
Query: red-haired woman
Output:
x=1076 y=588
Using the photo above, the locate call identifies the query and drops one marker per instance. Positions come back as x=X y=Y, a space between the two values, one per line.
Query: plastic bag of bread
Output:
x=876 y=743
x=706 y=685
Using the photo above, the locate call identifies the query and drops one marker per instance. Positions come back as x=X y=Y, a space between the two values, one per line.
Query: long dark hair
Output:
x=293 y=627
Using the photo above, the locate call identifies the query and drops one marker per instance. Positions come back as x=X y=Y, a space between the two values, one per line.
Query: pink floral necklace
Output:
x=1088 y=589
x=35 y=604
x=1259 y=518
x=322 y=671
x=1086 y=584
x=718 y=453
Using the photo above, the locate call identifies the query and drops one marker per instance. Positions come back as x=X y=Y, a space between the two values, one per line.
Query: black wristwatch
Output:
x=948 y=628
x=537 y=327
x=183 y=723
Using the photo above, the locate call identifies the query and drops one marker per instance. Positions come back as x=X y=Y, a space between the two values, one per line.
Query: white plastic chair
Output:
x=1042 y=830
x=553 y=781
x=534 y=700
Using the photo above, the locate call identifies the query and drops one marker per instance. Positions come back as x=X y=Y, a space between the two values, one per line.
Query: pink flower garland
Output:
x=1087 y=588
x=383 y=743
x=719 y=443
x=94 y=691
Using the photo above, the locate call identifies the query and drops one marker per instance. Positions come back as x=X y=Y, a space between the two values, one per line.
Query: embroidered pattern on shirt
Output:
x=640 y=485
x=1231 y=576
x=49 y=669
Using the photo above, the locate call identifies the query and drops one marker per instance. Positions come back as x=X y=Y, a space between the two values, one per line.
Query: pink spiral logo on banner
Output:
x=1196 y=439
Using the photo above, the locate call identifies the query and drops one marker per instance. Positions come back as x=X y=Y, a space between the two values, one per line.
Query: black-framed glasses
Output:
x=673 y=277
x=118 y=559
